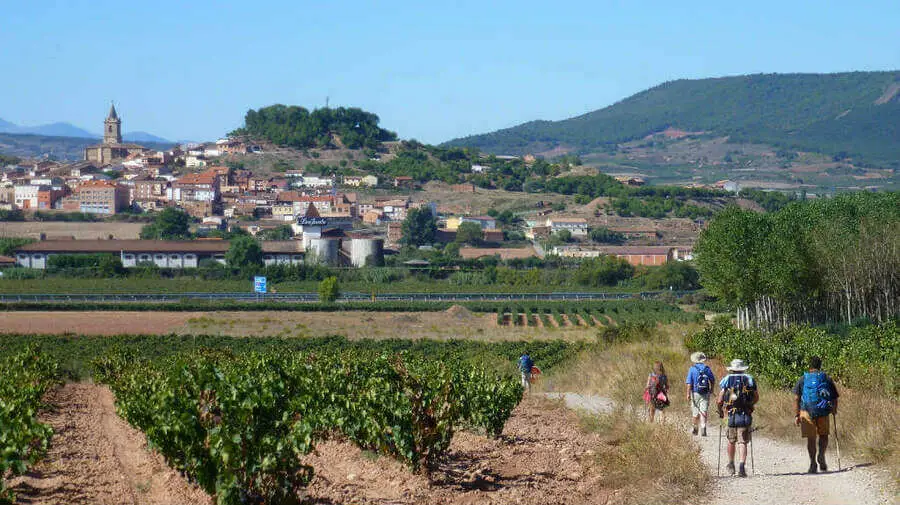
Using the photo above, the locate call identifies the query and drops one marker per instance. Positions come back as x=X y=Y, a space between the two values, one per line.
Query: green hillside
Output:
x=855 y=113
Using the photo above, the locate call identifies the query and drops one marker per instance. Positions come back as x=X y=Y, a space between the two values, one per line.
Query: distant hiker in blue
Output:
x=815 y=396
x=700 y=381
x=737 y=397
x=525 y=366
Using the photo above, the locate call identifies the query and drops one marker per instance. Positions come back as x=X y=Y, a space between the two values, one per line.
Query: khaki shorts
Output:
x=699 y=404
x=743 y=432
x=812 y=427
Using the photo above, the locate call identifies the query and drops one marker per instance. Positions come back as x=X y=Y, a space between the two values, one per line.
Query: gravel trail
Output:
x=779 y=477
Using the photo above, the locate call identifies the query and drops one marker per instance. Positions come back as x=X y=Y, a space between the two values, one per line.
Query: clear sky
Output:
x=432 y=70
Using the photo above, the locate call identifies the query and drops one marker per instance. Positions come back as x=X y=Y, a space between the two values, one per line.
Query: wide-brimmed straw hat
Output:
x=737 y=365
x=698 y=357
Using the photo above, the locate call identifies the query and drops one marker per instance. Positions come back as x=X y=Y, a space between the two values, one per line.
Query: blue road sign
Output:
x=259 y=284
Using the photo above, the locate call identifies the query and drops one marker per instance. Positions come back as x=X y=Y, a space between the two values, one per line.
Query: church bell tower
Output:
x=112 y=127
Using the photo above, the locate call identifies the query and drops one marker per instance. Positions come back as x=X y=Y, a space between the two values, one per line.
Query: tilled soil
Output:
x=97 y=458
x=542 y=458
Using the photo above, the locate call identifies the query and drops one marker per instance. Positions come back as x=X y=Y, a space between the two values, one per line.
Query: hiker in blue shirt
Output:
x=815 y=396
x=737 y=397
x=700 y=381
x=525 y=366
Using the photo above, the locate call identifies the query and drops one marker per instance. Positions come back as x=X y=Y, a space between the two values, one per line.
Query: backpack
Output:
x=816 y=395
x=703 y=385
x=738 y=395
x=525 y=363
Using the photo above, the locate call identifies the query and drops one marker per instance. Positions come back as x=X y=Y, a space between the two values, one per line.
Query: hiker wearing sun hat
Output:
x=737 y=396
x=700 y=381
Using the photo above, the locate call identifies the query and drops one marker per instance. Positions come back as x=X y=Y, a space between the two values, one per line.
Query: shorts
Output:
x=743 y=432
x=811 y=427
x=699 y=404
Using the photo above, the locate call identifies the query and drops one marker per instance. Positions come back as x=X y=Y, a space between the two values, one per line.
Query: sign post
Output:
x=259 y=286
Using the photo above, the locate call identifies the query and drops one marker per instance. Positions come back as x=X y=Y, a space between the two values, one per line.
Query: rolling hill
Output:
x=61 y=129
x=855 y=114
x=63 y=148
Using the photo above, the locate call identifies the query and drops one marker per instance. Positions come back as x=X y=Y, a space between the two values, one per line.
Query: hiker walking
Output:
x=815 y=397
x=737 y=396
x=700 y=380
x=656 y=394
x=525 y=366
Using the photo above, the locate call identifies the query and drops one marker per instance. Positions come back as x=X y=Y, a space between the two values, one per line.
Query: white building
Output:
x=26 y=196
x=577 y=226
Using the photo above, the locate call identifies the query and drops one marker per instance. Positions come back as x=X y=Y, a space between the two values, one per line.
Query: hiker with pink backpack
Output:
x=656 y=394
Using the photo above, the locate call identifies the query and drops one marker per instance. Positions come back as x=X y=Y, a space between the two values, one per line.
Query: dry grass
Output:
x=649 y=463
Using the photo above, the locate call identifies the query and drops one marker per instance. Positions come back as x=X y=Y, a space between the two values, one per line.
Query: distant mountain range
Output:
x=855 y=114
x=69 y=130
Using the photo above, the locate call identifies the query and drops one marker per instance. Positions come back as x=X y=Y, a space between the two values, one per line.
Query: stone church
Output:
x=112 y=149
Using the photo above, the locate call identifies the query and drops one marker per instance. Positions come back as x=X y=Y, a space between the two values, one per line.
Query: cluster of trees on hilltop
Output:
x=833 y=113
x=298 y=127
x=827 y=260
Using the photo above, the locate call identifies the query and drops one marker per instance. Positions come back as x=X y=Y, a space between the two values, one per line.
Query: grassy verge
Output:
x=649 y=463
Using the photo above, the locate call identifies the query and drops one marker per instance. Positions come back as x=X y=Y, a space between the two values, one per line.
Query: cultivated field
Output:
x=457 y=322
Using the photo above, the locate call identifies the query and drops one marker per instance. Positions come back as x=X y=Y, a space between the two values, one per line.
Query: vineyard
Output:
x=236 y=416
x=585 y=314
x=26 y=377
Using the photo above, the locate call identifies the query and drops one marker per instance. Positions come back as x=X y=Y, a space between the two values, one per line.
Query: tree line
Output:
x=827 y=260
x=298 y=127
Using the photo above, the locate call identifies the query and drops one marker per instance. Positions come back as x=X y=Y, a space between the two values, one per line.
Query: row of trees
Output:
x=825 y=260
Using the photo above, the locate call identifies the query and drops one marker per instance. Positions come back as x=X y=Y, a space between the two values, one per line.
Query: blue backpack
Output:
x=525 y=363
x=703 y=385
x=816 y=395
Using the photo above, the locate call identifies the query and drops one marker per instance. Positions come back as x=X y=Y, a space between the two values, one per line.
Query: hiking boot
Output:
x=729 y=468
x=812 y=468
x=742 y=472
x=823 y=467
x=703 y=433
x=694 y=430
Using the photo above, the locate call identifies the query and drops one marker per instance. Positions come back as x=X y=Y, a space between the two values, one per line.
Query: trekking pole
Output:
x=837 y=440
x=719 y=460
x=752 y=464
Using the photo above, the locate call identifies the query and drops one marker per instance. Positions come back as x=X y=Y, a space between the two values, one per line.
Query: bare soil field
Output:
x=453 y=202
x=96 y=457
x=456 y=322
x=543 y=457
x=80 y=231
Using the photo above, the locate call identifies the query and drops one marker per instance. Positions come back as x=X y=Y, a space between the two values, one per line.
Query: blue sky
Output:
x=431 y=70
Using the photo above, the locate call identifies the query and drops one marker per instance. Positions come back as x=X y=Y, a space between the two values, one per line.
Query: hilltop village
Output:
x=344 y=219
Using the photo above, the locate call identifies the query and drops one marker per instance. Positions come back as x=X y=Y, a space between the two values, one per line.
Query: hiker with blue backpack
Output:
x=700 y=381
x=815 y=397
x=737 y=397
x=525 y=366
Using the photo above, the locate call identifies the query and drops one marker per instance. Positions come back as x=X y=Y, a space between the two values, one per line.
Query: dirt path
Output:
x=779 y=476
x=95 y=457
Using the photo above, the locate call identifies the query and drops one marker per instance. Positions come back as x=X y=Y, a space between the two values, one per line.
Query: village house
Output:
x=404 y=181
x=202 y=187
x=577 y=226
x=97 y=197
x=486 y=222
x=360 y=180
x=641 y=255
